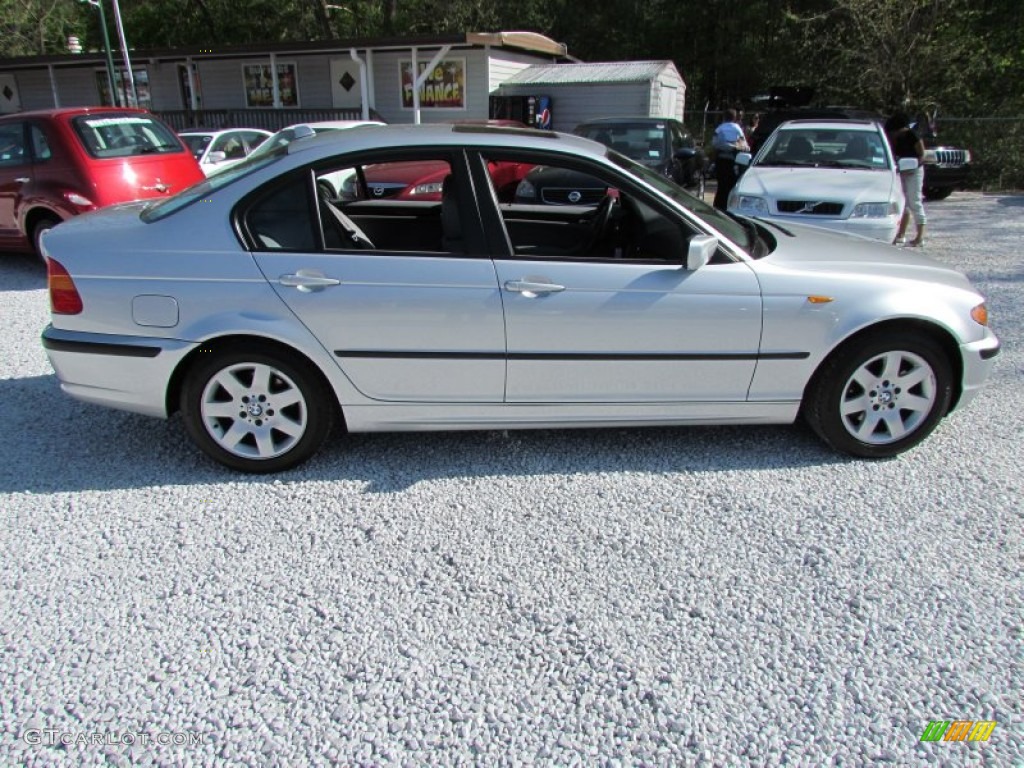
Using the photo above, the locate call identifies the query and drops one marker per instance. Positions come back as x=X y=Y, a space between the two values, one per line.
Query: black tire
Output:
x=880 y=395
x=325 y=190
x=242 y=429
x=41 y=226
x=937 y=193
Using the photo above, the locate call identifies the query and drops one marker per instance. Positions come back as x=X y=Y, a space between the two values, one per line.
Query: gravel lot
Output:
x=703 y=596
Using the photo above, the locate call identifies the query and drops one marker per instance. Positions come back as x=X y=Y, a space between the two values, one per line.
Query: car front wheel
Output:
x=881 y=396
x=254 y=411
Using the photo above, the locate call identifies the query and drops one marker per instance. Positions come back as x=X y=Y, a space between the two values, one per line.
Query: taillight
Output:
x=64 y=298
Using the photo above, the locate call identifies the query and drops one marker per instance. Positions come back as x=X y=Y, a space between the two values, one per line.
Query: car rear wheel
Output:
x=256 y=412
x=880 y=396
x=41 y=226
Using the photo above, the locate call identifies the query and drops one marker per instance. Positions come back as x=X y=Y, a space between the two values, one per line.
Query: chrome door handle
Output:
x=307 y=281
x=23 y=180
x=531 y=288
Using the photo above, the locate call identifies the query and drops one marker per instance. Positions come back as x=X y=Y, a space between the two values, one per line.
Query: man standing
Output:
x=728 y=140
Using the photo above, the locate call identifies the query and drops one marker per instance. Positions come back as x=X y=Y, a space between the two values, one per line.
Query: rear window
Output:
x=113 y=135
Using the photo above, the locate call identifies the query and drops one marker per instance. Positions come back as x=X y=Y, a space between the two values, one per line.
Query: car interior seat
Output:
x=857 y=149
x=799 y=148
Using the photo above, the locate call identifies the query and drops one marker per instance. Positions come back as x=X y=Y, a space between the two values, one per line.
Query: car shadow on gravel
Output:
x=66 y=446
x=21 y=272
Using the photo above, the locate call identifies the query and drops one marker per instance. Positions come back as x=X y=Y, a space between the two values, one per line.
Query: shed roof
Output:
x=597 y=72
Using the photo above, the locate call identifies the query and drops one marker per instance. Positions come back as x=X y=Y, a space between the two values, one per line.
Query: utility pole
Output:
x=133 y=97
x=114 y=96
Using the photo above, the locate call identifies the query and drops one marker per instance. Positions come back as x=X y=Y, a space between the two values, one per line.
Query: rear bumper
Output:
x=129 y=373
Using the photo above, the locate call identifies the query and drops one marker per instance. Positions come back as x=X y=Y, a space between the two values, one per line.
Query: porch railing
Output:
x=267 y=119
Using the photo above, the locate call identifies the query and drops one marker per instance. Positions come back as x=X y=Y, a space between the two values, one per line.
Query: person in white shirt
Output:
x=729 y=139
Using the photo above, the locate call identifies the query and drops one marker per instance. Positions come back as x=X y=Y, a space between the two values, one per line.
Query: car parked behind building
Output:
x=58 y=163
x=222 y=149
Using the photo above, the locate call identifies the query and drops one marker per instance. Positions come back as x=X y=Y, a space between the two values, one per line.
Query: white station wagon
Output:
x=838 y=174
x=267 y=311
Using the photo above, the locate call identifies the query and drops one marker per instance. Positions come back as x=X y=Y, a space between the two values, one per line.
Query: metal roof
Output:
x=598 y=72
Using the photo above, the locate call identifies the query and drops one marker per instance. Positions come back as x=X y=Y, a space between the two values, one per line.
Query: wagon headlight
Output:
x=874 y=210
x=750 y=205
x=980 y=314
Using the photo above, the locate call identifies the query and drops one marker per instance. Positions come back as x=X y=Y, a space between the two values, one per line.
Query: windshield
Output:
x=164 y=208
x=121 y=135
x=196 y=142
x=647 y=144
x=286 y=136
x=825 y=148
x=736 y=229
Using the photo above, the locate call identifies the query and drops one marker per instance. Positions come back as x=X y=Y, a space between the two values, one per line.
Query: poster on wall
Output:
x=444 y=88
x=141 y=77
x=259 y=88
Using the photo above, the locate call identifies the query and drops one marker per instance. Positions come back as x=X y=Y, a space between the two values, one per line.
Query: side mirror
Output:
x=216 y=157
x=743 y=158
x=686 y=153
x=303 y=131
x=700 y=251
x=907 y=164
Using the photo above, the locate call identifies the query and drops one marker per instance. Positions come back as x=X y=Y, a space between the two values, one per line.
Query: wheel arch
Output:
x=242 y=341
x=941 y=336
x=36 y=214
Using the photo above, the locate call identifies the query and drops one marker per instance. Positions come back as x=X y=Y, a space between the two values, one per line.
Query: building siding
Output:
x=505 y=64
x=572 y=104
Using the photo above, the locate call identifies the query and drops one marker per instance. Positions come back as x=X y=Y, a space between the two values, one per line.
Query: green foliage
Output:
x=961 y=57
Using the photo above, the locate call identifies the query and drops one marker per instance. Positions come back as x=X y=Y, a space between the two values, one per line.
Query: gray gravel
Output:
x=715 y=596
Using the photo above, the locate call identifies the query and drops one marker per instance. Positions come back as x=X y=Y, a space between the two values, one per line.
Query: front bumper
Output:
x=978 y=357
x=130 y=373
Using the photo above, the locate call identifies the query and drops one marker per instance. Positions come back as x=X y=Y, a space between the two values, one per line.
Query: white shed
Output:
x=582 y=92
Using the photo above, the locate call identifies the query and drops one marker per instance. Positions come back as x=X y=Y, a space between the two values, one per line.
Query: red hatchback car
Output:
x=58 y=163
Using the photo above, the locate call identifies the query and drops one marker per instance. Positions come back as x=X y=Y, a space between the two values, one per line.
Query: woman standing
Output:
x=905 y=143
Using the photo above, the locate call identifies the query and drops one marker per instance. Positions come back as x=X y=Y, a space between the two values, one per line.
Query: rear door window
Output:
x=114 y=135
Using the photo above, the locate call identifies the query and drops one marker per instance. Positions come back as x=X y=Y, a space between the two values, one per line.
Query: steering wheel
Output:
x=604 y=216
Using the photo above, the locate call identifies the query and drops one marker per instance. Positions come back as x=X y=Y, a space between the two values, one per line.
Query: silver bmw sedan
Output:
x=268 y=310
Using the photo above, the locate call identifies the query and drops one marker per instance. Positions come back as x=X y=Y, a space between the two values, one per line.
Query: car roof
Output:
x=73 y=112
x=443 y=134
x=643 y=119
x=832 y=125
x=219 y=131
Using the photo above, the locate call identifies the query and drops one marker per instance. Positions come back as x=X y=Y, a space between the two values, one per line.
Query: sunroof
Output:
x=503 y=130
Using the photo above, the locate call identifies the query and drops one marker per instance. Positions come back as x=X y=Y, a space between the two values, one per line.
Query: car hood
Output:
x=814 y=249
x=845 y=184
